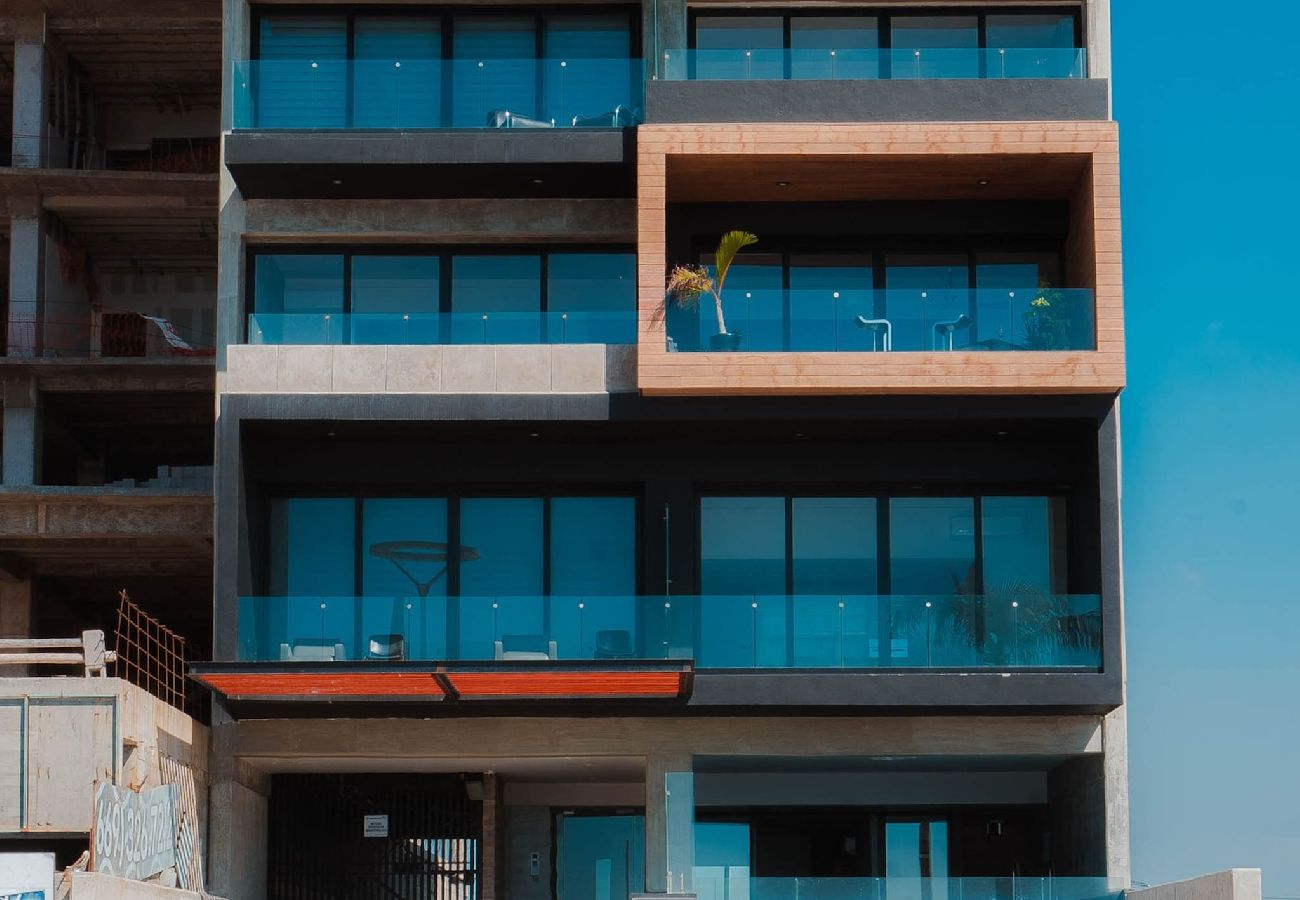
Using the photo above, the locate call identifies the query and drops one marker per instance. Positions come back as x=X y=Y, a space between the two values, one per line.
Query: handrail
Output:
x=90 y=652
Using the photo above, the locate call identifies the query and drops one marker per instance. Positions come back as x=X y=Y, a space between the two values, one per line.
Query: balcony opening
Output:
x=893 y=255
x=577 y=68
x=642 y=549
x=862 y=44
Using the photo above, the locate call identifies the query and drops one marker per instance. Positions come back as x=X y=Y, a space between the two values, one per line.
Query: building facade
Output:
x=532 y=583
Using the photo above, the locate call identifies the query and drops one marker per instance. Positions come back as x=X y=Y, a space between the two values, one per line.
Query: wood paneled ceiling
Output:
x=739 y=178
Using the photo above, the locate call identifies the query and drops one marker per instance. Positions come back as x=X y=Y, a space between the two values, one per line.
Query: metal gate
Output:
x=323 y=845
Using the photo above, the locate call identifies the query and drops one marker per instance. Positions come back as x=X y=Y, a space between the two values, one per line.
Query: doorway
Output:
x=599 y=857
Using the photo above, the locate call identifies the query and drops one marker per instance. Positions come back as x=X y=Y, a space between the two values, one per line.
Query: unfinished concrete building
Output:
x=109 y=136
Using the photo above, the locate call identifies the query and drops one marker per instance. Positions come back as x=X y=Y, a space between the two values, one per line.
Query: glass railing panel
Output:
x=1031 y=62
x=737 y=884
x=443 y=328
x=435 y=93
x=930 y=320
x=1021 y=630
x=759 y=64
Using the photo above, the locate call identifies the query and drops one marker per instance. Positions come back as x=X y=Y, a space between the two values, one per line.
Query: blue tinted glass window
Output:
x=935 y=47
x=395 y=284
x=593 y=577
x=932 y=546
x=395 y=299
x=495 y=70
x=501 y=578
x=503 y=538
x=742 y=545
x=312 y=575
x=297 y=299
x=496 y=299
x=832 y=47
x=828 y=294
x=596 y=294
x=298 y=283
x=742 y=574
x=928 y=301
x=302 y=72
x=722 y=859
x=1024 y=544
x=740 y=47
x=397 y=72
x=587 y=75
x=1034 y=31
x=834 y=543
x=593 y=545
x=1007 y=284
x=404 y=577
x=753 y=301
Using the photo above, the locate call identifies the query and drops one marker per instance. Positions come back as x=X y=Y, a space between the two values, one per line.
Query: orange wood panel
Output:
x=1077 y=161
x=566 y=684
x=324 y=684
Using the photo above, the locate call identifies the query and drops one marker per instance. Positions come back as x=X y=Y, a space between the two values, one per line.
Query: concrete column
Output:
x=663 y=30
x=1115 y=740
x=658 y=806
x=1097 y=38
x=238 y=817
x=22 y=432
x=490 y=870
x=30 y=130
x=26 y=275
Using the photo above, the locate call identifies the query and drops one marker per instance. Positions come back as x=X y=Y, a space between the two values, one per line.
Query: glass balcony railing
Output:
x=890 y=320
x=443 y=328
x=1026 y=630
x=873 y=64
x=436 y=93
x=734 y=883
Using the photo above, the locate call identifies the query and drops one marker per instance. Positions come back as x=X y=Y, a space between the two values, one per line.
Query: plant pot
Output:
x=727 y=341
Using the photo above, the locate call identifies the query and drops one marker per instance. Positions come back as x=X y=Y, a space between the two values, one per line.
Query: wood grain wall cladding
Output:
x=1078 y=161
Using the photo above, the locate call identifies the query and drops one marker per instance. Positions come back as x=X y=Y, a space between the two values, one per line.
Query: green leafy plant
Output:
x=1047 y=321
x=688 y=283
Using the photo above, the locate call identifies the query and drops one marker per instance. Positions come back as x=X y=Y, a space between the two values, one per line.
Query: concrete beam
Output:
x=468 y=220
x=1233 y=884
x=94 y=375
x=97 y=513
x=324 y=742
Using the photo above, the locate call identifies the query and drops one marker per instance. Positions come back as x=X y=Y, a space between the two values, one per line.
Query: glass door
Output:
x=916 y=859
x=599 y=857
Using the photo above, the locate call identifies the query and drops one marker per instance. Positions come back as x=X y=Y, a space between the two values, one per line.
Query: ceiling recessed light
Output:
x=537 y=181
x=532 y=434
x=337 y=181
x=783 y=184
x=983 y=182
x=1002 y=434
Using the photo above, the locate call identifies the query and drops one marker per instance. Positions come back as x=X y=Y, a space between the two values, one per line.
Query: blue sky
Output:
x=1209 y=108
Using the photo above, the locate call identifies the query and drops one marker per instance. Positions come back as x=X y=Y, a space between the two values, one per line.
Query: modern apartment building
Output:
x=530 y=583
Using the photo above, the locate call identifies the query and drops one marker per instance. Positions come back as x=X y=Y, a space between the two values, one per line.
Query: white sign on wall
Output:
x=134 y=833
x=26 y=876
x=375 y=826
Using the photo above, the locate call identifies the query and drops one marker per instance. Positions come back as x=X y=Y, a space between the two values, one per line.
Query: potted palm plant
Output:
x=688 y=283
